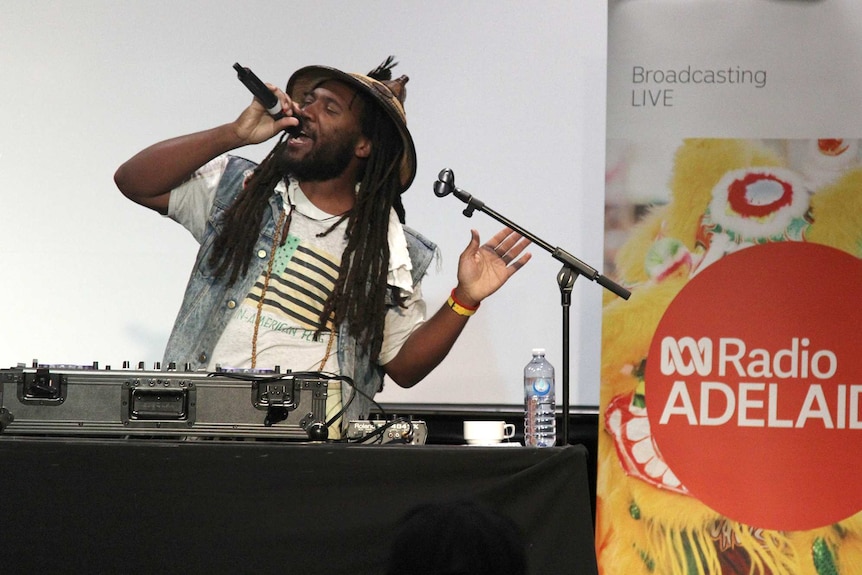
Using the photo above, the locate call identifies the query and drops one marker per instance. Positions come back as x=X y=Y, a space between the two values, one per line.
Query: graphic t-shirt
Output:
x=303 y=276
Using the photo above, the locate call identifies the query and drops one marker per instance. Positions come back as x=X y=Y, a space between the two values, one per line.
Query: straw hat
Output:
x=380 y=87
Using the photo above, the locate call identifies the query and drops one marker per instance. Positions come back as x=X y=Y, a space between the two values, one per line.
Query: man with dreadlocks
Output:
x=304 y=261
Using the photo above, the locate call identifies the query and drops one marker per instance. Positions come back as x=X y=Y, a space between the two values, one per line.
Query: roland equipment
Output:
x=396 y=430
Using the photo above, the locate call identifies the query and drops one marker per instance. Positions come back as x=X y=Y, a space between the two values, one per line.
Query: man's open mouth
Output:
x=301 y=137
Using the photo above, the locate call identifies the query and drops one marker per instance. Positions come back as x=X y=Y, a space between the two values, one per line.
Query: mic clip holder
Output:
x=473 y=204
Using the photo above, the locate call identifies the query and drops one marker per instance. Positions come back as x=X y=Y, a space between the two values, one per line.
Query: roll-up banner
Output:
x=730 y=436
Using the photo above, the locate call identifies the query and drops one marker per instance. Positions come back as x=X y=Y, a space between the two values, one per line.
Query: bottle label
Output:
x=542 y=386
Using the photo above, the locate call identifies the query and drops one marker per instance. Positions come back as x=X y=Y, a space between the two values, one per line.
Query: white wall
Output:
x=508 y=94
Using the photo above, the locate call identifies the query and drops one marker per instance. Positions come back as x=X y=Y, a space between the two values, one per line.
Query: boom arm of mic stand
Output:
x=558 y=253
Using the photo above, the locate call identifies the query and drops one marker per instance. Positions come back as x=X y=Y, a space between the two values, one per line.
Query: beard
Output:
x=326 y=162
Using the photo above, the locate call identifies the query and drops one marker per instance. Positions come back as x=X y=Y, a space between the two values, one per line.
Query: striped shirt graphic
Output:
x=303 y=277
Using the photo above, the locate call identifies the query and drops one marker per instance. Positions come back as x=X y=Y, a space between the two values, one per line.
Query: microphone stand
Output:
x=572 y=268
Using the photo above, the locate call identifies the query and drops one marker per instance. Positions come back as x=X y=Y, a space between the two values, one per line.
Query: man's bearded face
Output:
x=326 y=161
x=329 y=134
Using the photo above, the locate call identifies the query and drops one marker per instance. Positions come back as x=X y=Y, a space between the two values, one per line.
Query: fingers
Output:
x=482 y=270
x=472 y=246
x=520 y=262
x=285 y=123
x=501 y=236
x=508 y=245
x=513 y=265
x=256 y=125
x=288 y=108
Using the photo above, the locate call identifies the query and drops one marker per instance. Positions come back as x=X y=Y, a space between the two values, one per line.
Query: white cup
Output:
x=487 y=432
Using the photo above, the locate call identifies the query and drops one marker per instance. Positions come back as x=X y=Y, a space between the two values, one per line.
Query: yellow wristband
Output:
x=459 y=308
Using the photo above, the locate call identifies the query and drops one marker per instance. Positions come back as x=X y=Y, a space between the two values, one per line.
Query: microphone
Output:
x=263 y=94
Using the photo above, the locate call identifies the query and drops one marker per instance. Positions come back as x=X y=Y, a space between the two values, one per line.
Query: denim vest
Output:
x=209 y=303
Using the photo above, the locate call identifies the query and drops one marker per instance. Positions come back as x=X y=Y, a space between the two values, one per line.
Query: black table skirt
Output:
x=138 y=506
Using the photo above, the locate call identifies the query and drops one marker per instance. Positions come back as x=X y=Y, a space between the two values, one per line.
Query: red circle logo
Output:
x=754 y=386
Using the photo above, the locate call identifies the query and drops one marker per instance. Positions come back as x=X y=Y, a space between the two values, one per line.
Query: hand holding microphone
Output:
x=265 y=96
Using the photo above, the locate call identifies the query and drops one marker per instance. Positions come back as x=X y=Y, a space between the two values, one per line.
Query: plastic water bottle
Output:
x=540 y=423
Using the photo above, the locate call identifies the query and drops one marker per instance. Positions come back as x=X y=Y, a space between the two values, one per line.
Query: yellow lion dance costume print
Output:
x=725 y=195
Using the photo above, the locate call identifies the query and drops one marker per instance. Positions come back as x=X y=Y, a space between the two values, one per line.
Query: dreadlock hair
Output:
x=234 y=244
x=359 y=293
